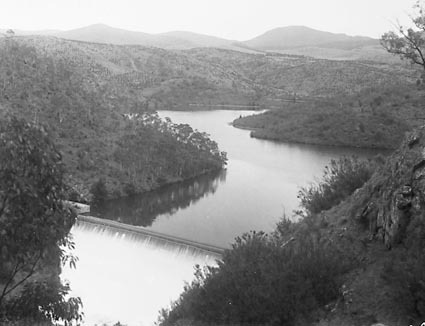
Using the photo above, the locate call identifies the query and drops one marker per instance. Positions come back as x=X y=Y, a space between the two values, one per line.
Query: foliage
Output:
x=262 y=281
x=34 y=224
x=340 y=179
x=408 y=43
x=162 y=150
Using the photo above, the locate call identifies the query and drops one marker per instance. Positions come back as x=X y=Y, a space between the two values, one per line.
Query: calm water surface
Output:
x=121 y=278
x=259 y=186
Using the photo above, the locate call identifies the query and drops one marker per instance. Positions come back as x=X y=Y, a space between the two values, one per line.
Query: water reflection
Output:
x=142 y=209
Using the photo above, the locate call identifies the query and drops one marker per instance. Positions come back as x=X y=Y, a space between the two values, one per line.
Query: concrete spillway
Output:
x=128 y=274
x=151 y=238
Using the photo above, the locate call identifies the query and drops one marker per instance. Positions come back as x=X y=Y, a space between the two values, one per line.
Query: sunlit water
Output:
x=120 y=278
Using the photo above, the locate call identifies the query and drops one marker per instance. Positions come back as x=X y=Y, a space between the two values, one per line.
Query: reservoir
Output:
x=125 y=278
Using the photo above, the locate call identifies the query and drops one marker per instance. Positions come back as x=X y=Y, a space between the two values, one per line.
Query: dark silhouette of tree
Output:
x=34 y=226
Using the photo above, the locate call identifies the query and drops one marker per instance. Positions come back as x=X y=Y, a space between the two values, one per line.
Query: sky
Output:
x=232 y=19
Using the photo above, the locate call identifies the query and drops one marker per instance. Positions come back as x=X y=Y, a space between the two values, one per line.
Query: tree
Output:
x=408 y=43
x=34 y=226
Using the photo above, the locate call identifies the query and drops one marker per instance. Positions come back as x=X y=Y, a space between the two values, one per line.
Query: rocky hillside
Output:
x=385 y=222
x=394 y=199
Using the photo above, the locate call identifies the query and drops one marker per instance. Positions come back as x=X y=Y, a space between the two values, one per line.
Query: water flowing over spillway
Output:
x=122 y=276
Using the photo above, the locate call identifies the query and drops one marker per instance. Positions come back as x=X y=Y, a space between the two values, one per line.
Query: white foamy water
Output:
x=121 y=277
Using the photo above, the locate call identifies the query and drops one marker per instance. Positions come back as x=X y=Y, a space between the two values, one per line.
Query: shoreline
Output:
x=253 y=135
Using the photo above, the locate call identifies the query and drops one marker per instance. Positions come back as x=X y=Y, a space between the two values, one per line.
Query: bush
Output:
x=261 y=282
x=340 y=179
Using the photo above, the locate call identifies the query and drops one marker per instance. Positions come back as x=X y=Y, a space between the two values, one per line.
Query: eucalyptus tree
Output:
x=34 y=226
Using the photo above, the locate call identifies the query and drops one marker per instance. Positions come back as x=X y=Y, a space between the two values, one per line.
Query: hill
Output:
x=292 y=40
x=133 y=79
x=84 y=105
x=157 y=78
x=302 y=36
x=100 y=33
x=302 y=40
x=374 y=118
x=199 y=40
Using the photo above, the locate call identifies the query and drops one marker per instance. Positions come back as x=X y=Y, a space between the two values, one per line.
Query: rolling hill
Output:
x=292 y=40
x=300 y=36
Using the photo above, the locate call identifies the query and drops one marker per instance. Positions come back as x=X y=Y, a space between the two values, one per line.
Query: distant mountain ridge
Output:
x=300 y=36
x=297 y=40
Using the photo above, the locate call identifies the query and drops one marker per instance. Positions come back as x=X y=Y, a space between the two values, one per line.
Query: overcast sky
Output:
x=232 y=19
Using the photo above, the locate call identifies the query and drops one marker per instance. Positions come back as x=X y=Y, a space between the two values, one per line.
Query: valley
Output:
x=214 y=143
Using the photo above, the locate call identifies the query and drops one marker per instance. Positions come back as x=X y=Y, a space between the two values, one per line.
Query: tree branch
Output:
x=30 y=273
x=9 y=281
x=415 y=45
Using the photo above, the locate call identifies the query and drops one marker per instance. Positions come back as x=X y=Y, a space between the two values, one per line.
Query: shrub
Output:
x=261 y=282
x=340 y=179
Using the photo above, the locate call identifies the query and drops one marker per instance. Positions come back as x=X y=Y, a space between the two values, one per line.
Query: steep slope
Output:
x=385 y=222
x=393 y=202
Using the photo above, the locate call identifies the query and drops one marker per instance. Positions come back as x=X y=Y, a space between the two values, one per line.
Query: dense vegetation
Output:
x=374 y=118
x=34 y=227
x=263 y=280
x=85 y=113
